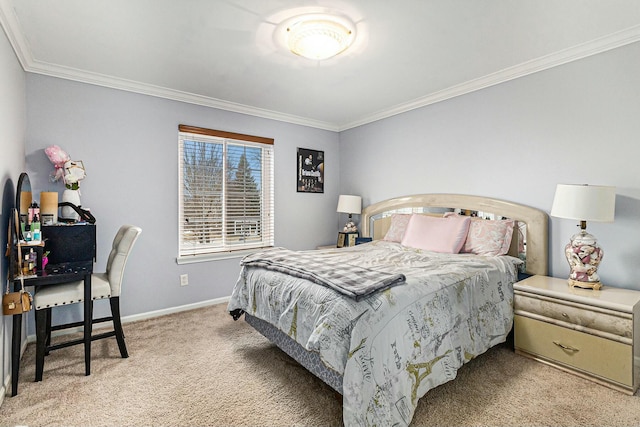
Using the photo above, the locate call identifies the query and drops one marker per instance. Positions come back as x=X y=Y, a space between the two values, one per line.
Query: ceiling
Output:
x=224 y=54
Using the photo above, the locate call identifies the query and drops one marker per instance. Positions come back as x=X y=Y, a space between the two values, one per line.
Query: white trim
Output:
x=172 y=94
x=593 y=47
x=141 y=316
x=6 y=385
x=216 y=256
x=9 y=23
x=172 y=310
x=12 y=28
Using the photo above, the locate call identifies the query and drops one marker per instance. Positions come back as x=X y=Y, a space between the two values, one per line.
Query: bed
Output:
x=424 y=312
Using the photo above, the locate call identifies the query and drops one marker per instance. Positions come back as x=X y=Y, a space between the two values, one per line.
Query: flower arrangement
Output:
x=71 y=171
x=73 y=174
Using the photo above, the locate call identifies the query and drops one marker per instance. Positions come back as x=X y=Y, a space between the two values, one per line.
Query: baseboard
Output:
x=141 y=316
x=6 y=386
x=171 y=310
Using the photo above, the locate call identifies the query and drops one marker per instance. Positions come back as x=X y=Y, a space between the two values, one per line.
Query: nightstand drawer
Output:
x=599 y=319
x=585 y=352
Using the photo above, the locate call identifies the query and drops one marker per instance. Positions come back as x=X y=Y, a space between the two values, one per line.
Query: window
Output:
x=225 y=192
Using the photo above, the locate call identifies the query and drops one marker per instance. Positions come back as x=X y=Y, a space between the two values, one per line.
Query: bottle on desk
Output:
x=36 y=233
x=32 y=261
x=27 y=233
x=25 y=265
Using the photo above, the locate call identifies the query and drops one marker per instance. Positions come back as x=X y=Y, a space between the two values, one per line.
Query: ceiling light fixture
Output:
x=319 y=36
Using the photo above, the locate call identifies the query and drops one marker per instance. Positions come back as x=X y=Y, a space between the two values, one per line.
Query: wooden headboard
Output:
x=376 y=219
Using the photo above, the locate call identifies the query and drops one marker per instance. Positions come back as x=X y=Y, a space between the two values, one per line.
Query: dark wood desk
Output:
x=52 y=275
x=72 y=253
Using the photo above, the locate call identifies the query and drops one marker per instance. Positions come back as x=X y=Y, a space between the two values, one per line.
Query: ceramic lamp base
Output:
x=586 y=285
x=584 y=255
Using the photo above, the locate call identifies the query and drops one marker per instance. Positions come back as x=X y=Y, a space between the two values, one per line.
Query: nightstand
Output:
x=586 y=332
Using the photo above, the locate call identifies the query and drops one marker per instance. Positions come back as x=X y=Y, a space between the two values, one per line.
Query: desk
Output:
x=54 y=274
x=73 y=250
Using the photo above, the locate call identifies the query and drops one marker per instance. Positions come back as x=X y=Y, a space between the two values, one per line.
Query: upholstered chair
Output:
x=103 y=285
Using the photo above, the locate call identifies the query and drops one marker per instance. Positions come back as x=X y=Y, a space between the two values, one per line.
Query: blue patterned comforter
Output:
x=393 y=346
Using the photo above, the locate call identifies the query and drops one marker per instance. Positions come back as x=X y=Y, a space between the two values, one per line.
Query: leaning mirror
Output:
x=23 y=200
x=12 y=242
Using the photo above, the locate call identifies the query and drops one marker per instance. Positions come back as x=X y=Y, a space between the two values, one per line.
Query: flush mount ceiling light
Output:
x=319 y=36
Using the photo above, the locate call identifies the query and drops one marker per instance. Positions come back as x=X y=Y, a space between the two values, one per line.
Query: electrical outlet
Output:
x=184 y=279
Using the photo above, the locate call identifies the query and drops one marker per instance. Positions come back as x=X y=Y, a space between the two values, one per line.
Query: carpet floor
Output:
x=200 y=368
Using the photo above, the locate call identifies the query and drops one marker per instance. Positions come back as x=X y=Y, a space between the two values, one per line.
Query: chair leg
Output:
x=48 y=342
x=41 y=340
x=88 y=324
x=117 y=325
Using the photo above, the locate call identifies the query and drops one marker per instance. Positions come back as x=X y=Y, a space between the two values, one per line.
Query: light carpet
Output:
x=200 y=368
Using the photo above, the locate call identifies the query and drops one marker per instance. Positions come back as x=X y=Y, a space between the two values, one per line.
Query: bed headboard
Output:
x=376 y=219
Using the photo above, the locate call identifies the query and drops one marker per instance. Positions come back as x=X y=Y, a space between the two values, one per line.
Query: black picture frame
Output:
x=310 y=171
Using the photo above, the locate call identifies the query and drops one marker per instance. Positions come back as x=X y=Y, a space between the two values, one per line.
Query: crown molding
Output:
x=594 y=47
x=97 y=79
x=12 y=29
x=11 y=26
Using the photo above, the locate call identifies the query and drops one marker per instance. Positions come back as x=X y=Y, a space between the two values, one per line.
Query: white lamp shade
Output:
x=584 y=202
x=349 y=204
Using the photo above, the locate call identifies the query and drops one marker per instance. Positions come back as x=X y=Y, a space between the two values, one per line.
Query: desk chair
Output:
x=103 y=285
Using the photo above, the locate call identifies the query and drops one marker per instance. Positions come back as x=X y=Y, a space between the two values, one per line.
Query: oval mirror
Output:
x=23 y=200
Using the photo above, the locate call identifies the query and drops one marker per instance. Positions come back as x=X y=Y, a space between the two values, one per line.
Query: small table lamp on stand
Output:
x=584 y=203
x=349 y=205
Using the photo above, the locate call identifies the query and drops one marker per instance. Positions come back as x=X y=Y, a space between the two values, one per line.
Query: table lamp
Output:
x=350 y=205
x=584 y=203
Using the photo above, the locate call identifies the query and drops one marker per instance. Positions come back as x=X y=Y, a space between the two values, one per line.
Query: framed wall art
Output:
x=310 y=171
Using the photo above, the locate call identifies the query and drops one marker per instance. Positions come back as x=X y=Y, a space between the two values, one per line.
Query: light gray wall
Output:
x=12 y=137
x=572 y=124
x=129 y=145
x=578 y=123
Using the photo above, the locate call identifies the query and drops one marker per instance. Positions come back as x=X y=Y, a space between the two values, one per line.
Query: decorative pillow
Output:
x=489 y=237
x=397 y=228
x=436 y=234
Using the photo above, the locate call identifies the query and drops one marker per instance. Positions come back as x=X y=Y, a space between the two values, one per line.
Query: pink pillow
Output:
x=397 y=228
x=489 y=237
x=436 y=234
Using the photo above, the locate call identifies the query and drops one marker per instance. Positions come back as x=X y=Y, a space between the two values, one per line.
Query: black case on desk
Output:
x=70 y=242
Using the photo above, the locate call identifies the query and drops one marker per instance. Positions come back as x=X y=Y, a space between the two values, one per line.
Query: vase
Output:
x=584 y=256
x=71 y=196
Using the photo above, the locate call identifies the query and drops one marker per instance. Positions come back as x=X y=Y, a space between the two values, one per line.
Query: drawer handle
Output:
x=566 y=347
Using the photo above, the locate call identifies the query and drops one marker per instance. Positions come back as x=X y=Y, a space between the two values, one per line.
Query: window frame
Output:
x=222 y=250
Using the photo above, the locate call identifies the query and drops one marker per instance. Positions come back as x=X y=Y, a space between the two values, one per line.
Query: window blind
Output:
x=225 y=192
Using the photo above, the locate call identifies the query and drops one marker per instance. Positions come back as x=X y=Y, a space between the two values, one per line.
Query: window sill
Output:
x=192 y=259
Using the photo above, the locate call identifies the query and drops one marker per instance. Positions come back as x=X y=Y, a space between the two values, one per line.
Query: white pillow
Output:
x=436 y=234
